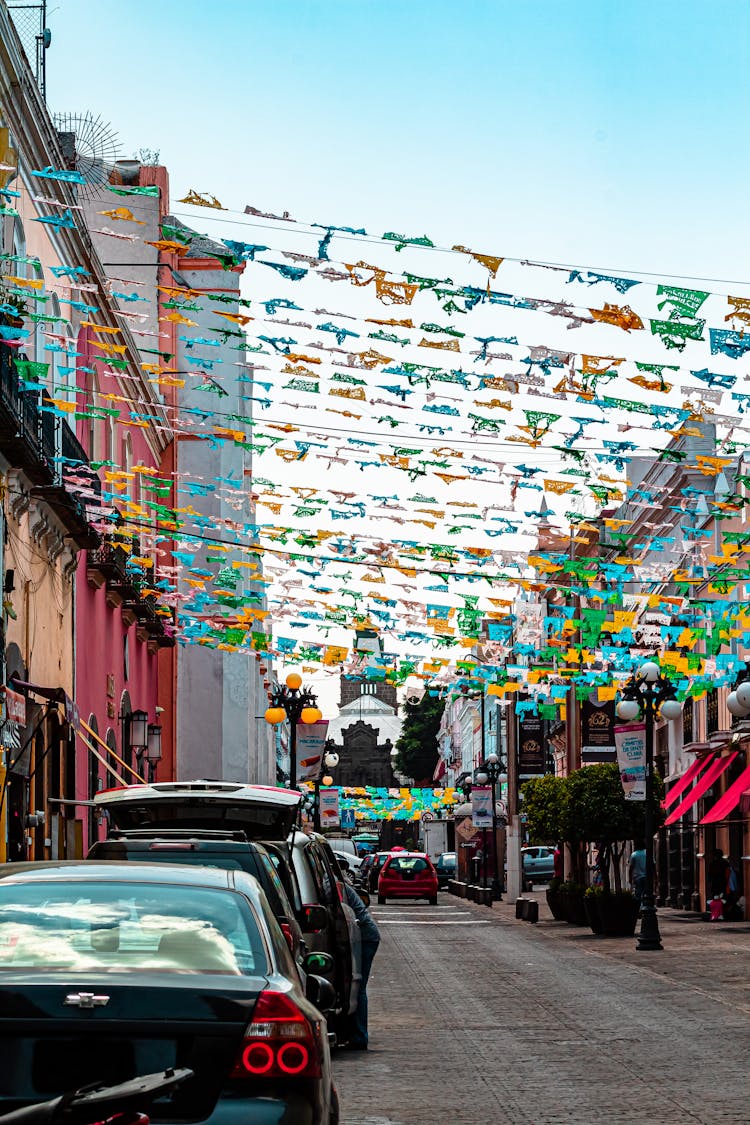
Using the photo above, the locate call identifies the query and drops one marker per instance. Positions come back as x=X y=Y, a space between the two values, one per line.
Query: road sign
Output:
x=348 y=819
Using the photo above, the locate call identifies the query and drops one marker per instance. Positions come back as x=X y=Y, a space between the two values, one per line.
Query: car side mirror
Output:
x=318 y=962
x=321 y=993
x=314 y=918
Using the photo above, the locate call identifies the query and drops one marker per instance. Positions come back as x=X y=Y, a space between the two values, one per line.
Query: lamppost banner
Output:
x=631 y=759
x=311 y=740
x=481 y=806
x=329 y=808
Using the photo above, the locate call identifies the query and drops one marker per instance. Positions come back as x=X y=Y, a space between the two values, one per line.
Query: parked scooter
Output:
x=128 y=1103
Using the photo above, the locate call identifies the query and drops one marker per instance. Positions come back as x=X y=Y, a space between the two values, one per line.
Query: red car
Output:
x=408 y=875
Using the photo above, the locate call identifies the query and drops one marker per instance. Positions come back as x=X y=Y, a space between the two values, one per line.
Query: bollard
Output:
x=520 y=904
x=532 y=910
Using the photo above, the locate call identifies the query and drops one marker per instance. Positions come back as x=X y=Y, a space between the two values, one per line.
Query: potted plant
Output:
x=554 y=900
x=571 y=894
x=618 y=913
x=592 y=900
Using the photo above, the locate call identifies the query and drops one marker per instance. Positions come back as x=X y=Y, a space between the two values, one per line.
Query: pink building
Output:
x=124 y=637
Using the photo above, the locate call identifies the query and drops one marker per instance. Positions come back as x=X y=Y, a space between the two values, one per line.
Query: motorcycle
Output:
x=128 y=1103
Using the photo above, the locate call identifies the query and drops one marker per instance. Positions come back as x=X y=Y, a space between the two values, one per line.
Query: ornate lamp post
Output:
x=652 y=694
x=297 y=704
x=491 y=770
x=329 y=762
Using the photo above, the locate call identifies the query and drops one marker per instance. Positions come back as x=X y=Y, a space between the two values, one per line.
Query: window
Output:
x=712 y=712
x=93 y=785
x=687 y=721
x=104 y=927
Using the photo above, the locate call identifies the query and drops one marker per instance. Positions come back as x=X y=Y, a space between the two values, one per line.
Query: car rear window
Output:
x=410 y=865
x=114 y=926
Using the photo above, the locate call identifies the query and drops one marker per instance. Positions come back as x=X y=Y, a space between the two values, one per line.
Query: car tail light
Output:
x=286 y=930
x=279 y=1043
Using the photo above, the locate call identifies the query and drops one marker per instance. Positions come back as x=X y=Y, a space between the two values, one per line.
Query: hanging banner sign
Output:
x=481 y=806
x=631 y=759
x=531 y=746
x=311 y=740
x=597 y=731
x=329 y=808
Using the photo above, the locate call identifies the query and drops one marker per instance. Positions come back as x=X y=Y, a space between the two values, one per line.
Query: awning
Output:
x=440 y=770
x=682 y=783
x=729 y=800
x=716 y=769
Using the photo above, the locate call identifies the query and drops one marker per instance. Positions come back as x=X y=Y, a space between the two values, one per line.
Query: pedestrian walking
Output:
x=370 y=935
x=637 y=872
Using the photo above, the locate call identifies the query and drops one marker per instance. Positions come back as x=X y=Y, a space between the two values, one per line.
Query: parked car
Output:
x=445 y=869
x=349 y=864
x=342 y=844
x=229 y=850
x=408 y=875
x=374 y=869
x=319 y=883
x=538 y=863
x=267 y=815
x=114 y=970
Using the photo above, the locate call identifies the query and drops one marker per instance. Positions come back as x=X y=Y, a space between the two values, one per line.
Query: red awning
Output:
x=729 y=800
x=682 y=783
x=716 y=769
x=440 y=770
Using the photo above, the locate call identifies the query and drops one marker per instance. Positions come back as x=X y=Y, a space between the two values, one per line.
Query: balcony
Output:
x=75 y=486
x=107 y=563
x=20 y=424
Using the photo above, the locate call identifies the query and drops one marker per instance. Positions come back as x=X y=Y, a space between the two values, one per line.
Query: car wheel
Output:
x=381 y=900
x=433 y=900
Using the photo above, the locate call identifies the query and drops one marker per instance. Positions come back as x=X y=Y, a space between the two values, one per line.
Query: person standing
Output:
x=370 y=935
x=637 y=871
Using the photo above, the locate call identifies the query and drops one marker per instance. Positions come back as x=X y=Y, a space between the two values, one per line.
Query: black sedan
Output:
x=108 y=971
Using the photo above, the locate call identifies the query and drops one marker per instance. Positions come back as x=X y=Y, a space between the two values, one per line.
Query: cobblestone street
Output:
x=476 y=1017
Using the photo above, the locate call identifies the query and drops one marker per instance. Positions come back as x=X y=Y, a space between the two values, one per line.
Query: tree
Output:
x=417 y=744
x=589 y=806
x=544 y=801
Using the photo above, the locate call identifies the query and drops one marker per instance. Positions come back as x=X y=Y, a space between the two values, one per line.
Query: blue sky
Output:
x=601 y=134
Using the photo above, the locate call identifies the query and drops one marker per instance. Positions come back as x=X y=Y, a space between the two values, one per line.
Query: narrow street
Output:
x=476 y=1017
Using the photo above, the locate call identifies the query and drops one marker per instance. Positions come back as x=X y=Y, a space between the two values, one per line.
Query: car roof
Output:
x=200 y=843
x=72 y=870
x=268 y=794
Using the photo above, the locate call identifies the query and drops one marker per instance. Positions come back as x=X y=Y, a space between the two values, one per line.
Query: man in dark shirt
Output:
x=370 y=935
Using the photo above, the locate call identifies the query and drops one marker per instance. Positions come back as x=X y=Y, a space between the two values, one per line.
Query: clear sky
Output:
x=609 y=135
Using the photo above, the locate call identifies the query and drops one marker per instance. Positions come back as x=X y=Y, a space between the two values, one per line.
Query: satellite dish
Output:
x=91 y=147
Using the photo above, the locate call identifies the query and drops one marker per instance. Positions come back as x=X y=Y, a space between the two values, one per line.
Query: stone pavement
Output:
x=476 y=1017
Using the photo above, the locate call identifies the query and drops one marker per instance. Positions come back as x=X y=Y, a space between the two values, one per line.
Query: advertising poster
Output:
x=597 y=731
x=631 y=759
x=311 y=741
x=329 y=807
x=481 y=806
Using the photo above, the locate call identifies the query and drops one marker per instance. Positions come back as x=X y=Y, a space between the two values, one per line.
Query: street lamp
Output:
x=297 y=704
x=650 y=692
x=491 y=770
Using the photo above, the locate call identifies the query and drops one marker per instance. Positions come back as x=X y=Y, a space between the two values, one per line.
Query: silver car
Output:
x=538 y=863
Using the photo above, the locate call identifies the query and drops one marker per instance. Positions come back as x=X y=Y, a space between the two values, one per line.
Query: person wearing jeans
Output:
x=370 y=935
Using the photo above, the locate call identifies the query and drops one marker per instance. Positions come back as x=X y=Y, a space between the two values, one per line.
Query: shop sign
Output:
x=15 y=707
